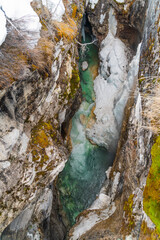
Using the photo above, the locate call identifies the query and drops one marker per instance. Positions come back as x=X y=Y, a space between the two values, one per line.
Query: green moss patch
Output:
x=75 y=82
x=71 y=86
x=151 y=200
x=128 y=209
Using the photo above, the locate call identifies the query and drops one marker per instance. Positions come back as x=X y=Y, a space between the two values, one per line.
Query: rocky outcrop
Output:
x=32 y=110
x=118 y=68
x=39 y=220
x=25 y=228
x=118 y=212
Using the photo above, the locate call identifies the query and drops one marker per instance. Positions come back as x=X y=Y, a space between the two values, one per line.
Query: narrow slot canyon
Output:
x=84 y=173
x=79 y=136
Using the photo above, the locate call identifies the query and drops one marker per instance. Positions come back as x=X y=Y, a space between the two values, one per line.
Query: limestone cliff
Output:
x=38 y=89
x=119 y=211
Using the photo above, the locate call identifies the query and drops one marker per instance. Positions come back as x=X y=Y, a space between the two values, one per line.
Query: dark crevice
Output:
x=131 y=35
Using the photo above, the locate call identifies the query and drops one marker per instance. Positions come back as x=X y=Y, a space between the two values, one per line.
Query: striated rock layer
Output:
x=33 y=107
x=118 y=212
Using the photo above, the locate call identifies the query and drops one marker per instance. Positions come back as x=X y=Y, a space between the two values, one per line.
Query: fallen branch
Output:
x=85 y=44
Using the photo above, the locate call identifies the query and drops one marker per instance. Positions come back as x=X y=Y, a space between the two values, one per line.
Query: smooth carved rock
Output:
x=84 y=65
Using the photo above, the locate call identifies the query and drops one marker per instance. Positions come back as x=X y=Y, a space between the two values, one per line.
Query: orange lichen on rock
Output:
x=74 y=12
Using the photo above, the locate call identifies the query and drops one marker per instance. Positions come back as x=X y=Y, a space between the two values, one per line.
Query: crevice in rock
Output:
x=130 y=35
x=70 y=113
x=57 y=228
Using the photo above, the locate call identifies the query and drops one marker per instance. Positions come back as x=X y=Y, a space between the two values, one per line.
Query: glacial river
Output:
x=84 y=173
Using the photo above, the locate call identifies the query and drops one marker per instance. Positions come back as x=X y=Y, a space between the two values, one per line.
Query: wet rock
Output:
x=112 y=86
x=84 y=66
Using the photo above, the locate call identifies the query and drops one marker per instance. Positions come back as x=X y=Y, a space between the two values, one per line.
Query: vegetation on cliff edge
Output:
x=152 y=191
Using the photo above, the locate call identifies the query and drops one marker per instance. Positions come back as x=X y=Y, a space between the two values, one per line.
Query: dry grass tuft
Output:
x=66 y=29
x=16 y=58
x=13 y=61
x=42 y=55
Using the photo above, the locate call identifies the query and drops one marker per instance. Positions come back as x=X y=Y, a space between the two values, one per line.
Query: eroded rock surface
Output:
x=118 y=212
x=32 y=110
x=118 y=68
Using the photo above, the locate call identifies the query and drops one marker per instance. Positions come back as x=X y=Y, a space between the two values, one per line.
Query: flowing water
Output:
x=84 y=173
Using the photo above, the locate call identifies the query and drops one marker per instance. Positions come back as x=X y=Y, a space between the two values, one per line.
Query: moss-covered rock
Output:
x=152 y=191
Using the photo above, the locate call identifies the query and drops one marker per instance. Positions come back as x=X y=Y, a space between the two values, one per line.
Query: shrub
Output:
x=13 y=62
x=17 y=58
x=151 y=194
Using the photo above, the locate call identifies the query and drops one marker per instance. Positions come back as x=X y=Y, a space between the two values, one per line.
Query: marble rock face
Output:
x=32 y=110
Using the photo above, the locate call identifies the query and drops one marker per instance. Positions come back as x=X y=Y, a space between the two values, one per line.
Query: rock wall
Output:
x=32 y=110
x=121 y=36
x=118 y=212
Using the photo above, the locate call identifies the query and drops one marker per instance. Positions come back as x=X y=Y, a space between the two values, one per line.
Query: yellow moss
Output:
x=42 y=139
x=43 y=135
x=72 y=86
x=75 y=81
x=151 y=194
x=128 y=209
x=148 y=233
x=151 y=46
x=40 y=135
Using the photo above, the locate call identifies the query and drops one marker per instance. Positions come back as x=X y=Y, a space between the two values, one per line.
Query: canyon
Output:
x=79 y=120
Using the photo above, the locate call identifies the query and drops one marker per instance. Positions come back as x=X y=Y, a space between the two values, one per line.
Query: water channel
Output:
x=84 y=173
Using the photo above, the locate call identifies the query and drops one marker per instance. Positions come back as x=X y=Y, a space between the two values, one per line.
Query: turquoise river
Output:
x=83 y=176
